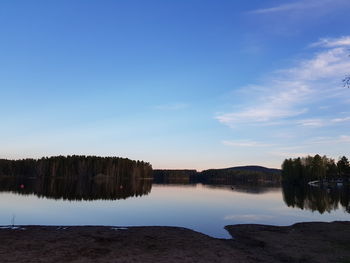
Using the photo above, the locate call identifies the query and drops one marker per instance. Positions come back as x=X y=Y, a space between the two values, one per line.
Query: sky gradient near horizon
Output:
x=181 y=84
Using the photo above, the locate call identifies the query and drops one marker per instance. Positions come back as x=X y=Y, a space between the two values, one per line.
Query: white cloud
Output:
x=321 y=122
x=298 y=151
x=245 y=143
x=333 y=42
x=323 y=107
x=312 y=122
x=310 y=143
x=258 y=114
x=291 y=154
x=302 y=6
x=340 y=119
x=290 y=92
x=330 y=63
x=274 y=103
x=342 y=139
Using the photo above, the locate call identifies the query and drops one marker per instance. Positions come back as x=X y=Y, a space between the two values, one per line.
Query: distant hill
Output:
x=252 y=168
x=241 y=175
x=227 y=176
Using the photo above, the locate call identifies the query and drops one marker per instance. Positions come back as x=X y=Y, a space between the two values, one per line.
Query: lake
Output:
x=204 y=208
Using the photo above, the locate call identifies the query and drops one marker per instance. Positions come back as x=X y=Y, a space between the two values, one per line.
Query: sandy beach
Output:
x=303 y=242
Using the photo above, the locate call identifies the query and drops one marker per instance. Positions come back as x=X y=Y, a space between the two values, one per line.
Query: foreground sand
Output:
x=304 y=242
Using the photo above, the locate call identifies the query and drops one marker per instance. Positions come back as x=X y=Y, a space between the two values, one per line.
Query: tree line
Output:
x=253 y=175
x=310 y=168
x=165 y=176
x=76 y=167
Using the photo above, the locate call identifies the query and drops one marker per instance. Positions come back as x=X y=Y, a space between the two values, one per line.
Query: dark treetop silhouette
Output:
x=310 y=168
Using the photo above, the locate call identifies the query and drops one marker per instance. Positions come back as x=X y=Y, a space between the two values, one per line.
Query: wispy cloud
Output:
x=337 y=120
x=342 y=139
x=310 y=143
x=288 y=154
x=312 y=122
x=285 y=110
x=280 y=104
x=245 y=143
x=331 y=63
x=290 y=92
x=301 y=5
x=332 y=42
x=322 y=122
x=259 y=114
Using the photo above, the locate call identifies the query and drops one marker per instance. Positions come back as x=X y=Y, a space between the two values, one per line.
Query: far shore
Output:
x=302 y=242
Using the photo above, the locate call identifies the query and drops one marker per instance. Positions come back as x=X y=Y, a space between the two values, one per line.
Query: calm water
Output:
x=204 y=208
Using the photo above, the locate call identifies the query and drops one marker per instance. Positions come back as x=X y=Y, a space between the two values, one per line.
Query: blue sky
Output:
x=181 y=84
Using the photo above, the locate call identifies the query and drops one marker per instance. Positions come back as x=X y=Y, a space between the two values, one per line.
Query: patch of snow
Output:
x=12 y=227
x=119 y=228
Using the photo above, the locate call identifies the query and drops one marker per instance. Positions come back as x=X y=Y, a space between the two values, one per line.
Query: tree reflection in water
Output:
x=99 y=187
x=321 y=199
x=114 y=187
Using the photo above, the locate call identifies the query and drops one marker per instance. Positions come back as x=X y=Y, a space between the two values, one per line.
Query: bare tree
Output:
x=346 y=81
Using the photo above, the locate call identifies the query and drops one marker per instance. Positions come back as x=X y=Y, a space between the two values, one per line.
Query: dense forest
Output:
x=241 y=175
x=310 y=168
x=253 y=175
x=76 y=167
x=175 y=176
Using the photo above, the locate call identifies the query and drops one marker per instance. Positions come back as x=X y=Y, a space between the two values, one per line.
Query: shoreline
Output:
x=301 y=242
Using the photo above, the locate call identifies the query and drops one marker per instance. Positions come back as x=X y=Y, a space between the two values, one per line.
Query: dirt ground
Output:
x=304 y=242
